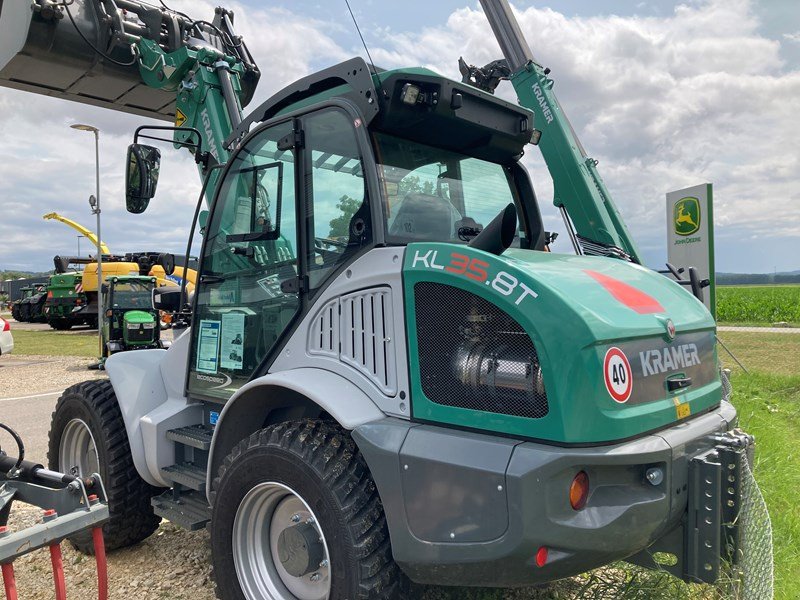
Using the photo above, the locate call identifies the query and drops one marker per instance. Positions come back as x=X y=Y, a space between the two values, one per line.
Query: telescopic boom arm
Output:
x=578 y=187
x=133 y=56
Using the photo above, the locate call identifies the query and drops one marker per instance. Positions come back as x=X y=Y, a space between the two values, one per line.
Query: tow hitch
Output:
x=728 y=534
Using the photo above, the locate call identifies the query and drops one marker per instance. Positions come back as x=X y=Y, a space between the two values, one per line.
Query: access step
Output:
x=186 y=474
x=196 y=436
x=191 y=511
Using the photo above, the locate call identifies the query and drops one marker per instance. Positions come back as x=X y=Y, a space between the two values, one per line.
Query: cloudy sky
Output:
x=664 y=94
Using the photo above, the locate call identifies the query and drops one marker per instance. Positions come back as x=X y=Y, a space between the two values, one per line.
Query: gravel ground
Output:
x=172 y=564
x=28 y=375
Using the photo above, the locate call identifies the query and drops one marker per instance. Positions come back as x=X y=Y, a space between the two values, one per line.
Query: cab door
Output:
x=293 y=210
x=247 y=294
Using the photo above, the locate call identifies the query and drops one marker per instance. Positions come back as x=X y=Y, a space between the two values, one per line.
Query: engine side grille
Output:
x=358 y=330
x=325 y=330
x=474 y=355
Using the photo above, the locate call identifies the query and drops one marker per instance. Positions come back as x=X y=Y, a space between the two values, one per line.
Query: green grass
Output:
x=54 y=343
x=758 y=304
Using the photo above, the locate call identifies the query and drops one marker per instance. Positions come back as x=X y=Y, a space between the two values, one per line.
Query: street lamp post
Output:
x=94 y=202
x=79 y=244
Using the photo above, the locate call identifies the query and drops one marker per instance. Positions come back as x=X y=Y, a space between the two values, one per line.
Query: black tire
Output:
x=319 y=461
x=61 y=324
x=15 y=312
x=131 y=516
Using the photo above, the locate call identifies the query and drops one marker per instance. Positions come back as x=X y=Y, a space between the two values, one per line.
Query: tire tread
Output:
x=330 y=451
x=131 y=516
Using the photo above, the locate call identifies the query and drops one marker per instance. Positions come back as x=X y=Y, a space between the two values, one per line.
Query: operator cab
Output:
x=334 y=165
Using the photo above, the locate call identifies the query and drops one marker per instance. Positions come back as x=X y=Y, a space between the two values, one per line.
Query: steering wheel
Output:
x=326 y=254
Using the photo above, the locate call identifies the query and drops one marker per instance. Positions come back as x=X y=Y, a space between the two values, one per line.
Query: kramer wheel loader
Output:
x=386 y=377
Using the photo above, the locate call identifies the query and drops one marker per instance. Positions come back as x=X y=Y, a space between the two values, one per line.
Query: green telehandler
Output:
x=387 y=377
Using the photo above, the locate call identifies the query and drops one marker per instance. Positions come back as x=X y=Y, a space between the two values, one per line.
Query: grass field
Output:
x=55 y=343
x=768 y=401
x=758 y=304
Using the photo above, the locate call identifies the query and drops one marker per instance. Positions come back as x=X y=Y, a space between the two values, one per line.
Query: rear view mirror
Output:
x=167 y=298
x=166 y=262
x=141 y=176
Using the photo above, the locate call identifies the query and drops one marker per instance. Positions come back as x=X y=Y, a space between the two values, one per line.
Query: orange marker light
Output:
x=579 y=491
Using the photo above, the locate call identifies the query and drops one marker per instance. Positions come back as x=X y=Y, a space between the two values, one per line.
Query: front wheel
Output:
x=297 y=517
x=87 y=435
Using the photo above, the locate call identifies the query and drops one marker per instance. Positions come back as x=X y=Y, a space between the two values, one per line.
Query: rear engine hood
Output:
x=623 y=350
x=615 y=299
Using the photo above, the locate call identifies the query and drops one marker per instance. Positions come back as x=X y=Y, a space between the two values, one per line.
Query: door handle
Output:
x=678 y=383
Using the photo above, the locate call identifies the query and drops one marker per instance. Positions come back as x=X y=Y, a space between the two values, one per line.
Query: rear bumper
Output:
x=470 y=509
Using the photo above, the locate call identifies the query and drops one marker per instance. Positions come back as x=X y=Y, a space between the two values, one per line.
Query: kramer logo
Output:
x=686 y=216
x=548 y=114
x=209 y=133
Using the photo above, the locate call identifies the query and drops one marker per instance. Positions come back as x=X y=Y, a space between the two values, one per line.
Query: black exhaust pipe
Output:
x=497 y=236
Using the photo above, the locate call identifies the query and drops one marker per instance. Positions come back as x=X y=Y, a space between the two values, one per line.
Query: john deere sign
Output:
x=690 y=234
x=686 y=216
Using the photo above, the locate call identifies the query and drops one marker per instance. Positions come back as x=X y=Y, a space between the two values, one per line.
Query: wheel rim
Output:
x=77 y=452
x=275 y=533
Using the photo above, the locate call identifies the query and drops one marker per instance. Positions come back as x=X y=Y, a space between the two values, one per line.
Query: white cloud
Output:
x=661 y=102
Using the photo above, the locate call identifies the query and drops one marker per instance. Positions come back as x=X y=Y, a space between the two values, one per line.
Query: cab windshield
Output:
x=132 y=295
x=432 y=194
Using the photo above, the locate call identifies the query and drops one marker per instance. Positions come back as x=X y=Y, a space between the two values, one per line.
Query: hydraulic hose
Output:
x=20 y=445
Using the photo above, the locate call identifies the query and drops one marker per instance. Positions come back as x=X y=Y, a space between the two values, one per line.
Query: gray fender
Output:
x=148 y=385
x=292 y=394
x=139 y=388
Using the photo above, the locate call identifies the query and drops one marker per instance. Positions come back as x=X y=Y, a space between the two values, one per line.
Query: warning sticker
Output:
x=618 y=375
x=180 y=118
x=208 y=347
x=231 y=353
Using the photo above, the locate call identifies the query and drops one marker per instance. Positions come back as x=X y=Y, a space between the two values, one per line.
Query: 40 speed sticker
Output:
x=618 y=375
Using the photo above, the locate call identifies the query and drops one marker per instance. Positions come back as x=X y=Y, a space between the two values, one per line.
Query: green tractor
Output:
x=29 y=307
x=130 y=322
x=65 y=296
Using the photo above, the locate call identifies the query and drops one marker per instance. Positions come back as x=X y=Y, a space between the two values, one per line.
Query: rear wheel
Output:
x=61 y=324
x=87 y=435
x=298 y=517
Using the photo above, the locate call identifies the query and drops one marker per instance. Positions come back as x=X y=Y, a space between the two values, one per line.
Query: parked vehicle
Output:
x=6 y=339
x=129 y=320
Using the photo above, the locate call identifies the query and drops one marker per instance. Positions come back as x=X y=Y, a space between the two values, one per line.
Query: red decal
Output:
x=628 y=295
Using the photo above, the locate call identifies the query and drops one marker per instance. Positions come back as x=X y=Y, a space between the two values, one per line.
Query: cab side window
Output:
x=250 y=252
x=338 y=210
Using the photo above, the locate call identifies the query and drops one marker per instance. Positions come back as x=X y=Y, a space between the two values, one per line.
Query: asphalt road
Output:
x=28 y=415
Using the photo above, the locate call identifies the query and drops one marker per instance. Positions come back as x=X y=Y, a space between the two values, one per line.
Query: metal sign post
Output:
x=690 y=234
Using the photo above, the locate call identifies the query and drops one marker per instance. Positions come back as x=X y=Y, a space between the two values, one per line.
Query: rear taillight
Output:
x=579 y=491
x=49 y=294
x=6 y=325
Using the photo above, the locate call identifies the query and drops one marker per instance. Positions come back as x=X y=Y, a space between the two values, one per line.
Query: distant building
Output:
x=12 y=287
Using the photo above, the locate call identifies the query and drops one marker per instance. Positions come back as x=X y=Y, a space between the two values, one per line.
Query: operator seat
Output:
x=426 y=217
